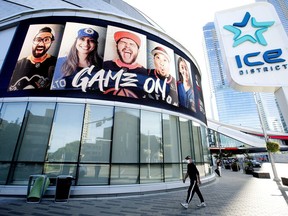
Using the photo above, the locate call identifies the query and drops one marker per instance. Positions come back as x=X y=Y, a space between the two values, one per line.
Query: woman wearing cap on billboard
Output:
x=185 y=86
x=83 y=54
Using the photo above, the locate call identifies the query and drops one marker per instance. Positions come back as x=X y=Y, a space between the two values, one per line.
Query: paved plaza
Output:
x=235 y=193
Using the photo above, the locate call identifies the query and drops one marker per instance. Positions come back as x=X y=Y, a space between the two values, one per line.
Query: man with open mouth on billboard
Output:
x=36 y=70
x=127 y=47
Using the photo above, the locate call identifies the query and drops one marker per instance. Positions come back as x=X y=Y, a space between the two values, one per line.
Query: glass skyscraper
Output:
x=235 y=107
x=281 y=6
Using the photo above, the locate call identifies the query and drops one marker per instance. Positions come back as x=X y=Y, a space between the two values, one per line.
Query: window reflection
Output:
x=197 y=143
x=171 y=139
x=151 y=137
x=185 y=135
x=35 y=135
x=4 y=169
x=124 y=174
x=151 y=173
x=90 y=174
x=23 y=171
x=66 y=132
x=173 y=172
x=54 y=170
x=96 y=135
x=204 y=138
x=11 y=118
x=151 y=148
x=139 y=145
x=126 y=136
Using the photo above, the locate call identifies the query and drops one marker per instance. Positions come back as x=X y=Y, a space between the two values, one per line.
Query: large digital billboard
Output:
x=87 y=59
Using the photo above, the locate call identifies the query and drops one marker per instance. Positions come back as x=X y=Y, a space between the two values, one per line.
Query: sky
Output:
x=183 y=20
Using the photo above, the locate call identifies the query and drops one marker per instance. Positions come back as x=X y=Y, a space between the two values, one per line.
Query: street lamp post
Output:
x=276 y=178
x=219 y=140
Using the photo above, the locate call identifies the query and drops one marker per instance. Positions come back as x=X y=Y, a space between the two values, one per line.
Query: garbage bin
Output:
x=63 y=185
x=37 y=186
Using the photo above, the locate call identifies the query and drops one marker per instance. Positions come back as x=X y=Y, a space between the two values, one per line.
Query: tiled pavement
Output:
x=234 y=194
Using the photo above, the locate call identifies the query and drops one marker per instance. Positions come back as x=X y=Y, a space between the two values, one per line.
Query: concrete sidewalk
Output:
x=234 y=194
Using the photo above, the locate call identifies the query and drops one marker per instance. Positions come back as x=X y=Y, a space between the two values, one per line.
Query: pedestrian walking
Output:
x=218 y=168
x=193 y=174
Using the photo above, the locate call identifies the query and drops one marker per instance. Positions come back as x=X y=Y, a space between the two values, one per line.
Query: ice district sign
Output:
x=254 y=47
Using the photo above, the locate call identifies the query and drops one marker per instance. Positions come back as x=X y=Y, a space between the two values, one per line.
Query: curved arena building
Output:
x=96 y=90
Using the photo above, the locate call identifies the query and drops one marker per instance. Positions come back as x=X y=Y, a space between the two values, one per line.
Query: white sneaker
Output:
x=203 y=204
x=185 y=205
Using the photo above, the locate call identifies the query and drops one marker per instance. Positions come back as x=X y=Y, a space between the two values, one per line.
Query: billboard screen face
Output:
x=36 y=62
x=254 y=46
x=90 y=60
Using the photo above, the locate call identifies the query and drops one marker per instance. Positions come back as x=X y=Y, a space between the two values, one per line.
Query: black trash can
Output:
x=63 y=185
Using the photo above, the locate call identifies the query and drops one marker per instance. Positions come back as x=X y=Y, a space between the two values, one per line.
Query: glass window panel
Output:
x=35 y=136
x=66 y=132
x=151 y=173
x=4 y=169
x=197 y=143
x=173 y=172
x=185 y=138
x=125 y=148
x=24 y=170
x=171 y=139
x=11 y=117
x=53 y=170
x=151 y=137
x=206 y=152
x=96 y=135
x=201 y=169
x=93 y=174
x=124 y=174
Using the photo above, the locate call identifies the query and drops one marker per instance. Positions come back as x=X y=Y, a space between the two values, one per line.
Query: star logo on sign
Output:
x=260 y=28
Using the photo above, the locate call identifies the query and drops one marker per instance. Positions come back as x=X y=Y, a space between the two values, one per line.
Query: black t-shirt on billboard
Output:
x=28 y=75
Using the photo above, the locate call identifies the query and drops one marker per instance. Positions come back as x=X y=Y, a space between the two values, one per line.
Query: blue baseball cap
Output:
x=88 y=32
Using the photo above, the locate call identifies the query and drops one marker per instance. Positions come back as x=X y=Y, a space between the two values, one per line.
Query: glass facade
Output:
x=98 y=144
x=104 y=123
x=281 y=7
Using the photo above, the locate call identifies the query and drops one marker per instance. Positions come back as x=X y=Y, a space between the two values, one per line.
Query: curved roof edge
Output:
x=244 y=134
x=100 y=14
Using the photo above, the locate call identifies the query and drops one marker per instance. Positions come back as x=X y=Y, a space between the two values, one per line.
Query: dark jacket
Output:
x=29 y=75
x=192 y=171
